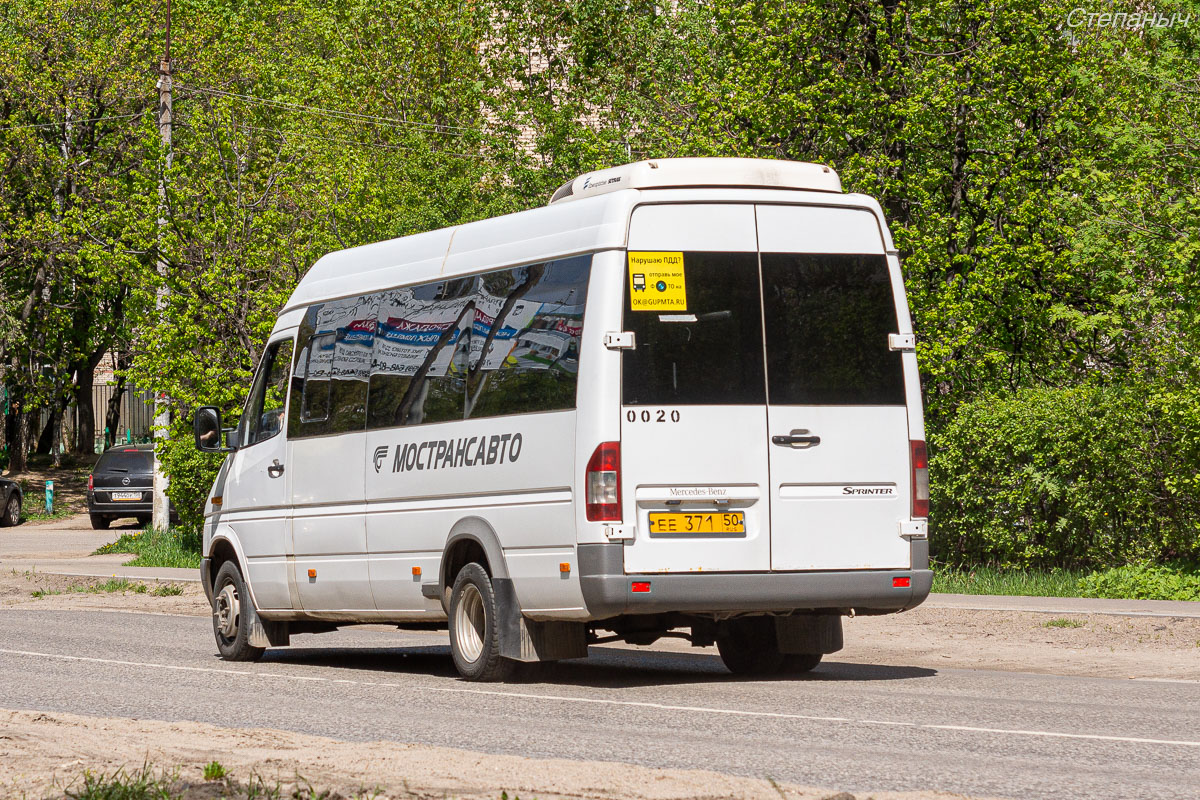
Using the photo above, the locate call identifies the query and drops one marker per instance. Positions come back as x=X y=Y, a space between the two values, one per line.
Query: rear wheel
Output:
x=796 y=663
x=100 y=522
x=474 y=629
x=748 y=646
x=12 y=511
x=231 y=620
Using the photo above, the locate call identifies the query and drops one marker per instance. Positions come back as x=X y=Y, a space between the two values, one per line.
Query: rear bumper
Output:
x=607 y=589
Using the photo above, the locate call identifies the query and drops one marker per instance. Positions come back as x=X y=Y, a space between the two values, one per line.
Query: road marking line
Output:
x=1097 y=737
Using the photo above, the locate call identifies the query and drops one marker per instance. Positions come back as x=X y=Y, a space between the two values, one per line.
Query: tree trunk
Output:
x=19 y=444
x=45 y=441
x=85 y=414
x=112 y=417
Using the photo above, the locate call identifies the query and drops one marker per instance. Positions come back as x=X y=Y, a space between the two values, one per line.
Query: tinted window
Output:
x=134 y=461
x=525 y=355
x=506 y=342
x=332 y=366
x=827 y=322
x=707 y=354
x=268 y=395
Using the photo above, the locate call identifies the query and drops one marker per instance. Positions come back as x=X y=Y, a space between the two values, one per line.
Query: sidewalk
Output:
x=106 y=566
x=1066 y=605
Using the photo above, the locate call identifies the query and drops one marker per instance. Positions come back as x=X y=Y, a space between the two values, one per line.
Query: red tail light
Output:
x=91 y=482
x=920 y=479
x=603 y=482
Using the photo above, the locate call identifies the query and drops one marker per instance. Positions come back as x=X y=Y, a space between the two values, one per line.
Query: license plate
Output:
x=723 y=522
x=126 y=495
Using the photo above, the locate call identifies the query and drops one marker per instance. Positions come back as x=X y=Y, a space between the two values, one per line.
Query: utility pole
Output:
x=162 y=410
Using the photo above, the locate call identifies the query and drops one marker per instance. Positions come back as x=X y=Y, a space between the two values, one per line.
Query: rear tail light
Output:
x=603 y=482
x=91 y=482
x=920 y=479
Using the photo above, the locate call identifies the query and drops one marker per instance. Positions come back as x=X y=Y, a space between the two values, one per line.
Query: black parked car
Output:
x=122 y=485
x=10 y=503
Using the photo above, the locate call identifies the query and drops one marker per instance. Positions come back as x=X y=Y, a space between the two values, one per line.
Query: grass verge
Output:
x=155 y=548
x=114 y=585
x=147 y=784
x=1179 y=581
x=994 y=580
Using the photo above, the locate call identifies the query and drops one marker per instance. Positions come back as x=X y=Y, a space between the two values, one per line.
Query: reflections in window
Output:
x=506 y=342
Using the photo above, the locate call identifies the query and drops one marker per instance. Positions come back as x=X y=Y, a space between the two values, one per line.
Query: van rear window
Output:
x=709 y=353
x=827 y=323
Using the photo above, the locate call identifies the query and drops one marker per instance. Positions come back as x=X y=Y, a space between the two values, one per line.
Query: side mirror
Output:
x=207 y=427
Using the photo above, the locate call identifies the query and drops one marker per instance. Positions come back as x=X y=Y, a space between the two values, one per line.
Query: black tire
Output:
x=474 y=630
x=143 y=520
x=797 y=663
x=231 y=627
x=748 y=646
x=100 y=522
x=12 y=511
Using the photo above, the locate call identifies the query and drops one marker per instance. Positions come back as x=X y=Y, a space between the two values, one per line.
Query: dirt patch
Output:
x=1101 y=645
x=39 y=590
x=43 y=754
x=70 y=483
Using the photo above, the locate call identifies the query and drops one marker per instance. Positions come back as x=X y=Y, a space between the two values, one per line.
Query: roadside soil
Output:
x=43 y=755
x=1166 y=648
x=70 y=484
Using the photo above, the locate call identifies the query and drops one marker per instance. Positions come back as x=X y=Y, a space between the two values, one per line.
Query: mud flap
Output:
x=809 y=633
x=525 y=640
x=267 y=634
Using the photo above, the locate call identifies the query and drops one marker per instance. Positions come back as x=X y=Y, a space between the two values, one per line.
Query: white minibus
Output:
x=682 y=399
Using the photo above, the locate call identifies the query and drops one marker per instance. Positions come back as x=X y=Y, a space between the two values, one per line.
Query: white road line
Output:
x=1096 y=737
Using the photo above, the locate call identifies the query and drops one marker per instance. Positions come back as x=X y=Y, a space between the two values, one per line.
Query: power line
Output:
x=74 y=122
x=285 y=134
x=450 y=130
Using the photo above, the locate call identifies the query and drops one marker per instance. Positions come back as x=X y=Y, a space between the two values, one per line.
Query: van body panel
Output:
x=328 y=528
x=422 y=480
x=831 y=508
x=256 y=509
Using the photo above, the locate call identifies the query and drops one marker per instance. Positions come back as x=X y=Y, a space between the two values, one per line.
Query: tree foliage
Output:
x=1040 y=179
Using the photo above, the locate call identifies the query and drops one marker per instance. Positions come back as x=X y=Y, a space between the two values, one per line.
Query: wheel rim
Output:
x=226 y=609
x=469 y=622
x=14 y=510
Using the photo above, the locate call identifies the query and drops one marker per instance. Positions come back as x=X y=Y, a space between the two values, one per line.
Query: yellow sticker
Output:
x=656 y=282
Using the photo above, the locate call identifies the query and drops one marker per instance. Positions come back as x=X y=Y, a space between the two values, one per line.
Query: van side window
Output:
x=506 y=342
x=527 y=358
x=314 y=393
x=268 y=395
x=329 y=393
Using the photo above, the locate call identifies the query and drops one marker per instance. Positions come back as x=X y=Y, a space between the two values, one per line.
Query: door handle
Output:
x=799 y=439
x=276 y=469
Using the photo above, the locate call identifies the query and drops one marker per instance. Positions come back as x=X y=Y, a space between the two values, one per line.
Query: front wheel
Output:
x=231 y=615
x=12 y=512
x=474 y=629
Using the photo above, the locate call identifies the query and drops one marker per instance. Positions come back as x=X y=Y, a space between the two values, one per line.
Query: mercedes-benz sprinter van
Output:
x=682 y=399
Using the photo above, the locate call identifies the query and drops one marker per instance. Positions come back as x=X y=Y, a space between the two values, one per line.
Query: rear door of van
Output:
x=693 y=418
x=764 y=424
x=836 y=414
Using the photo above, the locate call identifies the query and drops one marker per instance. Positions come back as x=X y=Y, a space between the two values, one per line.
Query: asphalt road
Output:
x=855 y=727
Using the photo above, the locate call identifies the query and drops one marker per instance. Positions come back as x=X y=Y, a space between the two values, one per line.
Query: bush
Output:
x=192 y=474
x=1086 y=477
x=1144 y=582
